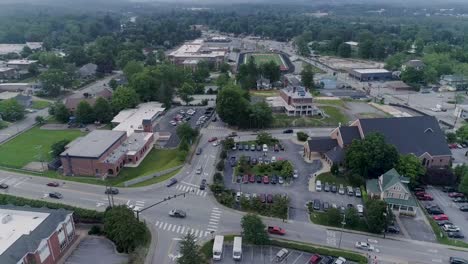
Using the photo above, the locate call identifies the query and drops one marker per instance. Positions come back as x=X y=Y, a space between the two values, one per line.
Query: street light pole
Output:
x=342 y=227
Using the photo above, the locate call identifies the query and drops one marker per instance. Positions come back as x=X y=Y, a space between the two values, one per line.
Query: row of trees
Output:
x=250 y=72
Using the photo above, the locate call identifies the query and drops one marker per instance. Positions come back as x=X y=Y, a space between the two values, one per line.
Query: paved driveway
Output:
x=96 y=250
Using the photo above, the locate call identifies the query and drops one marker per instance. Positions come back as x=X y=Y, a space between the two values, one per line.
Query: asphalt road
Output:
x=206 y=215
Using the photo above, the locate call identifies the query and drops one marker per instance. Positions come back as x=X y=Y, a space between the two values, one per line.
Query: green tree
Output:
x=11 y=110
x=265 y=138
x=344 y=50
x=84 y=113
x=124 y=97
x=232 y=106
x=288 y=170
x=58 y=147
x=307 y=76
x=335 y=169
x=189 y=250
x=222 y=80
x=430 y=75
x=280 y=207
x=302 y=136
x=244 y=203
x=113 y=84
x=186 y=92
x=254 y=230
x=103 y=110
x=52 y=81
x=463 y=186
x=132 y=68
x=365 y=49
x=352 y=217
x=410 y=166
x=186 y=132
x=462 y=133
x=26 y=52
x=371 y=156
x=33 y=69
x=377 y=215
x=334 y=217
x=224 y=67
x=40 y=119
x=412 y=75
x=60 y=112
x=260 y=115
x=121 y=226
x=271 y=71
x=201 y=72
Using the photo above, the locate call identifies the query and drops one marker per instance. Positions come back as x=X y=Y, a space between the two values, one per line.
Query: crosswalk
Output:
x=14 y=181
x=181 y=229
x=186 y=188
x=137 y=205
x=214 y=219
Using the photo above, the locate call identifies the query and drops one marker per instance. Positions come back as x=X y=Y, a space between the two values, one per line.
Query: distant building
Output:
x=71 y=103
x=35 y=235
x=393 y=189
x=461 y=111
x=196 y=50
x=328 y=82
x=28 y=88
x=294 y=101
x=23 y=100
x=397 y=85
x=456 y=82
x=140 y=119
x=104 y=153
x=415 y=64
x=8 y=73
x=87 y=70
x=20 y=65
x=364 y=75
x=17 y=48
x=263 y=83
x=353 y=44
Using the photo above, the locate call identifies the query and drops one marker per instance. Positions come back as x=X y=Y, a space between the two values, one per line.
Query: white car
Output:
x=273 y=159
x=295 y=175
x=216 y=143
x=364 y=246
x=451 y=228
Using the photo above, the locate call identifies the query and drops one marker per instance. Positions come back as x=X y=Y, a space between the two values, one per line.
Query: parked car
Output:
x=245 y=179
x=239 y=179
x=326 y=187
x=281 y=147
x=333 y=188
x=435 y=211
x=258 y=179
x=203 y=184
x=212 y=139
x=240 y=147
x=326 y=206
x=254 y=161
x=252 y=178
x=53 y=184
x=457 y=234
x=199 y=151
x=460 y=200
x=111 y=190
x=276 y=230
x=171 y=182
x=450 y=228
x=273 y=179
x=341 y=190
x=269 y=198
x=177 y=213
x=357 y=192
x=425 y=197
x=252 y=147
x=246 y=147
x=393 y=229
x=317 y=204
x=259 y=148
x=456 y=260
x=280 y=180
x=442 y=223
x=364 y=246
x=327 y=260
x=295 y=174
x=238 y=196
x=440 y=217
x=55 y=195
x=315 y=259
x=288 y=131
x=3 y=186
x=266 y=180
x=464 y=208
x=455 y=194
x=448 y=189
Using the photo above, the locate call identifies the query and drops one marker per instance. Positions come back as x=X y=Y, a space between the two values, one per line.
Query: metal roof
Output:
x=94 y=144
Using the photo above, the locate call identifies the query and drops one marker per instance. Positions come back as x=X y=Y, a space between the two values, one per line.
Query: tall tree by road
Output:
x=124 y=97
x=232 y=105
x=60 y=112
x=185 y=92
x=102 y=110
x=189 y=250
x=254 y=230
x=271 y=71
x=307 y=76
x=11 y=110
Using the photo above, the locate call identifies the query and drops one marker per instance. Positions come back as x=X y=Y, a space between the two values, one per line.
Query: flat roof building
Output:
x=139 y=119
x=370 y=74
x=196 y=50
x=34 y=235
x=20 y=65
x=294 y=101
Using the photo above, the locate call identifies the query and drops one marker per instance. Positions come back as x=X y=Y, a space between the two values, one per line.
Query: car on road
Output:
x=212 y=139
x=393 y=229
x=177 y=213
x=288 y=131
x=455 y=194
x=464 y=208
x=112 y=190
x=450 y=228
x=199 y=151
x=171 y=182
x=435 y=210
x=456 y=260
x=276 y=230
x=281 y=147
x=295 y=174
x=3 y=186
x=203 y=184
x=55 y=195
x=216 y=143
x=266 y=180
x=233 y=134
x=364 y=246
x=53 y=184
x=456 y=234
x=440 y=217
x=199 y=170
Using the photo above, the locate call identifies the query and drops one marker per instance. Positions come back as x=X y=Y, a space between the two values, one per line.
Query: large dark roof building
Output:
x=34 y=235
x=419 y=135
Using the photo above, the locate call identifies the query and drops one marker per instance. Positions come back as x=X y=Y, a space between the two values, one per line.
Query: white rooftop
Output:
x=4 y=69
x=352 y=43
x=7 y=95
x=15 y=223
x=193 y=50
x=21 y=62
x=130 y=120
x=371 y=70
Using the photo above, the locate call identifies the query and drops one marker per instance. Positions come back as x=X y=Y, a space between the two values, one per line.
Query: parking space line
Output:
x=213 y=223
x=214 y=216
x=298 y=258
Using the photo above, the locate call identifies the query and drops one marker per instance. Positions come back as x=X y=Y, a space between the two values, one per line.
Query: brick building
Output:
x=294 y=101
x=34 y=235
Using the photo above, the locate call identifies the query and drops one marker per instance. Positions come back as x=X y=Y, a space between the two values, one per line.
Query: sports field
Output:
x=261 y=58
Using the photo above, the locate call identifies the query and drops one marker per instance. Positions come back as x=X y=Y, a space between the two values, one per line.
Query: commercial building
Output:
x=461 y=111
x=197 y=51
x=454 y=82
x=417 y=135
x=20 y=65
x=34 y=235
x=104 y=153
x=294 y=101
x=415 y=64
x=140 y=119
x=364 y=75
x=8 y=73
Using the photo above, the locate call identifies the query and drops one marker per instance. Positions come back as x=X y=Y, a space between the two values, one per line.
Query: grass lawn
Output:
x=332 y=179
x=157 y=160
x=156 y=179
x=260 y=58
x=321 y=218
x=335 y=116
x=25 y=148
x=40 y=104
x=264 y=93
x=337 y=102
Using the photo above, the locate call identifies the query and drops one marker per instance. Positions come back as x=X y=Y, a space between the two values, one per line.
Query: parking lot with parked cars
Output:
x=195 y=116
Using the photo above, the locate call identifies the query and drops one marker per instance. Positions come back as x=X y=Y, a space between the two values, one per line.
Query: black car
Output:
x=460 y=200
x=326 y=260
x=246 y=147
x=258 y=179
x=456 y=260
x=112 y=190
x=326 y=206
x=464 y=208
x=240 y=147
x=281 y=147
x=239 y=179
x=215 y=119
x=448 y=189
x=274 y=179
x=288 y=131
x=254 y=161
x=259 y=148
x=333 y=188
x=3 y=186
x=393 y=229
x=435 y=211
x=233 y=161
x=203 y=184
x=317 y=204
x=457 y=234
x=171 y=182
x=55 y=195
x=199 y=151
x=350 y=205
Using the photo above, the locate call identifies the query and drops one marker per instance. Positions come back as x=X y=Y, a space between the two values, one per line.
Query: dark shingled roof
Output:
x=336 y=154
x=416 y=135
x=349 y=133
x=321 y=144
x=30 y=243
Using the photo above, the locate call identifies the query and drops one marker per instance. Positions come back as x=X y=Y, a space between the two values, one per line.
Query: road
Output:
x=205 y=215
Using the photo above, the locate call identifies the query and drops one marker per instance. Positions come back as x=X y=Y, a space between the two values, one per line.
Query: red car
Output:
x=425 y=197
x=420 y=193
x=453 y=146
x=212 y=139
x=53 y=184
x=252 y=179
x=441 y=217
x=276 y=230
x=266 y=180
x=455 y=194
x=315 y=259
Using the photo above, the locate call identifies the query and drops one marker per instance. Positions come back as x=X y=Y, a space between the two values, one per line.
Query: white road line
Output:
x=198 y=192
x=183 y=188
x=6 y=179
x=156 y=224
x=216 y=211
x=196 y=232
x=211 y=226
x=297 y=258
x=213 y=223
x=192 y=231
x=173 y=228
x=215 y=208
x=178 y=229
x=183 y=229
x=207 y=233
x=214 y=216
x=211 y=229
x=161 y=225
x=169 y=227
x=189 y=184
x=201 y=233
x=204 y=194
x=20 y=182
x=164 y=228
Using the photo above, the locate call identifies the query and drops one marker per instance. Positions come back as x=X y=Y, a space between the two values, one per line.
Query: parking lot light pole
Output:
x=343 y=223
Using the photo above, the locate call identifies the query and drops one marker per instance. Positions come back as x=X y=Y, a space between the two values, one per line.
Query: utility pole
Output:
x=162 y=201
x=343 y=223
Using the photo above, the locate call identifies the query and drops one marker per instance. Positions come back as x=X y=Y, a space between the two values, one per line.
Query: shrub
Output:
x=223 y=154
x=220 y=165
x=95 y=230
x=218 y=177
x=302 y=136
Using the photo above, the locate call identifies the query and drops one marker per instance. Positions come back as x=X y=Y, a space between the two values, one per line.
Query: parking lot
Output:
x=297 y=191
x=450 y=208
x=96 y=250
x=164 y=124
x=263 y=254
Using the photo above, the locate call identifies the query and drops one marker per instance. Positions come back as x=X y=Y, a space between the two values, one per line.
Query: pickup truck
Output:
x=276 y=230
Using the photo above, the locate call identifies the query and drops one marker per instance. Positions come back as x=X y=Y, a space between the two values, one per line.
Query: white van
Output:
x=282 y=254
x=340 y=260
x=360 y=209
x=265 y=148
x=218 y=247
x=318 y=186
x=237 y=248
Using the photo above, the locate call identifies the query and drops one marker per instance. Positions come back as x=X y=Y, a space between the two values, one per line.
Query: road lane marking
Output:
x=214 y=216
x=178 y=229
x=437 y=260
x=156 y=224
x=165 y=224
x=174 y=228
x=297 y=258
x=183 y=229
x=169 y=227
x=213 y=223
x=211 y=229
x=196 y=232
x=204 y=194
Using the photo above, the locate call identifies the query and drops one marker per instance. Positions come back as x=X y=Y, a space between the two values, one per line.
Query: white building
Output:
x=139 y=119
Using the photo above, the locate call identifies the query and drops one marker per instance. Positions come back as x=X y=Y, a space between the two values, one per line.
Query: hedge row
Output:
x=320 y=250
x=80 y=215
